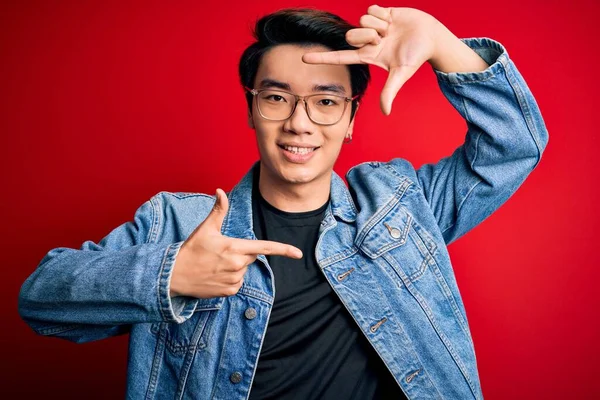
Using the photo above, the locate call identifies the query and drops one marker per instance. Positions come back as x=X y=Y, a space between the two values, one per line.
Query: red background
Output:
x=103 y=104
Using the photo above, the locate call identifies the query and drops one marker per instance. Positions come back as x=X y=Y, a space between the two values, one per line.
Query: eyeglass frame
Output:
x=347 y=100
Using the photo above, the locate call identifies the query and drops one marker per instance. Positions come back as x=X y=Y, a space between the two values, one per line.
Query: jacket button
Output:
x=250 y=313
x=236 y=377
x=395 y=232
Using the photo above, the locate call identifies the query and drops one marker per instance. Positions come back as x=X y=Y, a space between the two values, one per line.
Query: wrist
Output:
x=452 y=55
x=175 y=281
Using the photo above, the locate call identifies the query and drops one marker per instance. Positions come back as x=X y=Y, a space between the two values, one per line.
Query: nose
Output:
x=299 y=122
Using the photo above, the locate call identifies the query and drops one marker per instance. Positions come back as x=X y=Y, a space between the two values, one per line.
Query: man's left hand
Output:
x=398 y=40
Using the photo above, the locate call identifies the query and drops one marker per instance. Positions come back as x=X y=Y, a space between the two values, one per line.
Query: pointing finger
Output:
x=333 y=57
x=266 y=247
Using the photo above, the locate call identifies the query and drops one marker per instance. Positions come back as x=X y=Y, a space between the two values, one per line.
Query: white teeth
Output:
x=298 y=150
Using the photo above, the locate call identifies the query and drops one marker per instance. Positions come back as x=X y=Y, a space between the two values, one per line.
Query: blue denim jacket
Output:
x=382 y=247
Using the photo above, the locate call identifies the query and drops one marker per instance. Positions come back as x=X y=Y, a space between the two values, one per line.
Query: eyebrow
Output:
x=332 y=87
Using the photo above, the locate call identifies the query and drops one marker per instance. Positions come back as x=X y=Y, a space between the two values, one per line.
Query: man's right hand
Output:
x=211 y=265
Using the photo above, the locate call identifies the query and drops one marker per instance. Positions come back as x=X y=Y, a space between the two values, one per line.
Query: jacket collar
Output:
x=238 y=221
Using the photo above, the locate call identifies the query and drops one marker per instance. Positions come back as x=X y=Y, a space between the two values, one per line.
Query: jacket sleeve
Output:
x=101 y=289
x=504 y=142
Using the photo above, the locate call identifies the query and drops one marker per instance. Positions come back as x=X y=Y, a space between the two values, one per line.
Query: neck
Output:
x=294 y=197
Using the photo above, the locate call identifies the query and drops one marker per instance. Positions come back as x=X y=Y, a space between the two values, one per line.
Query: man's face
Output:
x=282 y=68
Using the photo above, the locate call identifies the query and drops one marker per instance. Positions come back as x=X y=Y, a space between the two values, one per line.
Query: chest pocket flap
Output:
x=386 y=232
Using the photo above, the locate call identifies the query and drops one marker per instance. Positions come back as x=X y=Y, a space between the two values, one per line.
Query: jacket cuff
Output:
x=173 y=309
x=492 y=53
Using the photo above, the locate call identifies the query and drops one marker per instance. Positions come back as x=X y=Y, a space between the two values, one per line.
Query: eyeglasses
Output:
x=321 y=108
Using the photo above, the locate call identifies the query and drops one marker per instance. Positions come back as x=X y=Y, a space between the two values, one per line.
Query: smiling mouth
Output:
x=298 y=150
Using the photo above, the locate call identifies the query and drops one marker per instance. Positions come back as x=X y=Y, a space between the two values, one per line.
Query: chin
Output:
x=289 y=173
x=298 y=177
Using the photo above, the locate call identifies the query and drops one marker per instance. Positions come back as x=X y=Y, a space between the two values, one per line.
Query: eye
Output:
x=275 y=97
x=327 y=102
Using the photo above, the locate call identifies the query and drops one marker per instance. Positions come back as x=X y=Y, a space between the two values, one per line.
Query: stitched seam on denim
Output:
x=189 y=307
x=407 y=285
x=403 y=178
x=358 y=165
x=208 y=327
x=178 y=348
x=477 y=139
x=474 y=81
x=401 y=240
x=185 y=371
x=56 y=329
x=421 y=271
x=384 y=210
x=442 y=336
x=255 y=293
x=471 y=165
x=482 y=42
x=366 y=335
x=338 y=257
x=448 y=293
x=524 y=106
x=429 y=253
x=468 y=194
x=221 y=361
x=198 y=344
x=349 y=198
x=424 y=253
x=428 y=241
x=390 y=271
x=208 y=307
x=262 y=338
x=374 y=220
x=160 y=279
x=185 y=195
x=154 y=225
x=158 y=352
x=437 y=328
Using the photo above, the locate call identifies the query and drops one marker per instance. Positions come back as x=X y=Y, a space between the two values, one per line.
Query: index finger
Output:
x=267 y=247
x=333 y=57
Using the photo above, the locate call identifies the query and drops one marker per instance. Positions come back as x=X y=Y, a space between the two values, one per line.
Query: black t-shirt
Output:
x=313 y=349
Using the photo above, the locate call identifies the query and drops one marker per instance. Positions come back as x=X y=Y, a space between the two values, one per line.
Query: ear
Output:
x=250 y=120
x=351 y=126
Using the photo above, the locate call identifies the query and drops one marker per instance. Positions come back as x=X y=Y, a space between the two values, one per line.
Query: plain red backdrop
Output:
x=103 y=104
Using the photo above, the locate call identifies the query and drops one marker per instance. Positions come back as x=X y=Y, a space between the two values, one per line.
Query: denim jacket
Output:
x=381 y=247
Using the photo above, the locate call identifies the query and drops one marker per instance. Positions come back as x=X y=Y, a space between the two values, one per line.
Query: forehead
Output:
x=283 y=63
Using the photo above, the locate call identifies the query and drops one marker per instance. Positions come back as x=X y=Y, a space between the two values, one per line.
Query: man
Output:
x=294 y=285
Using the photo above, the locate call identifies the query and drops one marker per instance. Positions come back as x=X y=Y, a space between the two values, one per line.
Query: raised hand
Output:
x=398 y=40
x=210 y=265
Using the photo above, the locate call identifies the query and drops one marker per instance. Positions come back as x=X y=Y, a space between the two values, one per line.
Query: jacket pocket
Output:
x=190 y=335
x=398 y=233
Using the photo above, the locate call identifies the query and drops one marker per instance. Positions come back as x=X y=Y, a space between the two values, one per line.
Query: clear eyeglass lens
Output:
x=322 y=108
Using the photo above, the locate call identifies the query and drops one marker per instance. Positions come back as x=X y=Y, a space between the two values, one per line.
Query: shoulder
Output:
x=176 y=214
x=166 y=197
x=182 y=203
x=386 y=174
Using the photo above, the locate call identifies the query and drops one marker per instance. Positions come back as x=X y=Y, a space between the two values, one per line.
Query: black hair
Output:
x=305 y=27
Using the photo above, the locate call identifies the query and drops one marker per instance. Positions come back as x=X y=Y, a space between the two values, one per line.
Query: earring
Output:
x=348 y=139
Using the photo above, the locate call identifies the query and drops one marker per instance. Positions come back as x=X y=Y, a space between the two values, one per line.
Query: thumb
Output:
x=217 y=214
x=396 y=79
